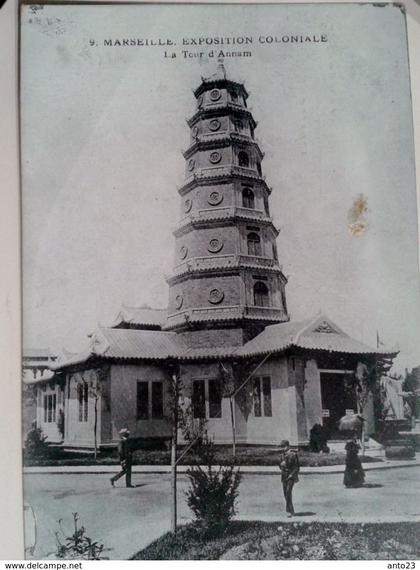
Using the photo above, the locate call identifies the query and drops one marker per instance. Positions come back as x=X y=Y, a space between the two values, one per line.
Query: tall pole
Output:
x=173 y=486
x=232 y=417
x=173 y=456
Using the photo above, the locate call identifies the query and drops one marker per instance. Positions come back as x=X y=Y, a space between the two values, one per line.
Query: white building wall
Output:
x=313 y=403
x=49 y=428
x=80 y=433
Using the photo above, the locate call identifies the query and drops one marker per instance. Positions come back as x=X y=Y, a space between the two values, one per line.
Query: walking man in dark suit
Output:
x=289 y=467
x=126 y=458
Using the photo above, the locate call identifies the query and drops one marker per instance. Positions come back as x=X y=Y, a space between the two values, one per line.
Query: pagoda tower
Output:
x=226 y=282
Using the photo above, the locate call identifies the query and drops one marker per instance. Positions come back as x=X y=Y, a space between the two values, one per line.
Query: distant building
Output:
x=36 y=367
x=227 y=316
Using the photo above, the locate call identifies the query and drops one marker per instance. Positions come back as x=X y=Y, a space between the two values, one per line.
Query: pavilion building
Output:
x=226 y=321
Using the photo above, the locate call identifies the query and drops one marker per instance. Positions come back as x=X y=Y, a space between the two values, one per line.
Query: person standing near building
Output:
x=126 y=458
x=354 y=475
x=289 y=468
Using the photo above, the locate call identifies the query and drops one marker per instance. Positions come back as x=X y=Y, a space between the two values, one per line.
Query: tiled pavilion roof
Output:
x=135 y=345
x=319 y=333
x=141 y=316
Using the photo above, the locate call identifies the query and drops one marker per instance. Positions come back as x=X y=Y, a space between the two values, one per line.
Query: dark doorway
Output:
x=337 y=400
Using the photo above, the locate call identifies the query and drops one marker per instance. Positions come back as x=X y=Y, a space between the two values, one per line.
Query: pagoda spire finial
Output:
x=219 y=74
x=221 y=68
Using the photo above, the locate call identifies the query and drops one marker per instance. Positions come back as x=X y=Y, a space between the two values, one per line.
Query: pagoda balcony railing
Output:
x=222 y=213
x=222 y=135
x=257 y=260
x=225 y=171
x=205 y=313
x=206 y=262
x=230 y=212
x=274 y=313
x=210 y=136
x=222 y=262
x=245 y=171
x=225 y=312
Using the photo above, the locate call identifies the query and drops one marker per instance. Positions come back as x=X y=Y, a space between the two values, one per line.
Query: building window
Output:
x=243 y=159
x=83 y=399
x=260 y=294
x=207 y=399
x=61 y=395
x=157 y=400
x=259 y=168
x=256 y=392
x=142 y=400
x=198 y=399
x=254 y=244
x=266 y=383
x=149 y=400
x=50 y=408
x=261 y=392
x=215 y=399
x=248 y=199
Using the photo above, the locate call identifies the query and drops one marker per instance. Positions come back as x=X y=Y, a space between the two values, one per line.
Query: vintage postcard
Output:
x=220 y=282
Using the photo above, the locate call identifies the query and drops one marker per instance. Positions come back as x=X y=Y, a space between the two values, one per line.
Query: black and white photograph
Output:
x=220 y=282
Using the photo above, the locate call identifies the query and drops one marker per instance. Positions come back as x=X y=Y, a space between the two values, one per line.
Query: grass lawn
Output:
x=245 y=455
x=296 y=541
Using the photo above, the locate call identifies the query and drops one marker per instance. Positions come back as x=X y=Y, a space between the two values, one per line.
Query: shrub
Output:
x=78 y=545
x=400 y=452
x=36 y=445
x=213 y=493
x=318 y=438
x=60 y=423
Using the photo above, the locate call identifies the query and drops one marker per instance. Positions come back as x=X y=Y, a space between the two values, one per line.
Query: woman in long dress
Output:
x=354 y=475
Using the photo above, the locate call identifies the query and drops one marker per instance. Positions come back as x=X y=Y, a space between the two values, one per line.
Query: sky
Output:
x=103 y=129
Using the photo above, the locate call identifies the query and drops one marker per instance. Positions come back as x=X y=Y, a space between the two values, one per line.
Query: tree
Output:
x=411 y=391
x=228 y=384
x=95 y=389
x=366 y=384
x=180 y=414
x=232 y=386
x=193 y=429
x=173 y=412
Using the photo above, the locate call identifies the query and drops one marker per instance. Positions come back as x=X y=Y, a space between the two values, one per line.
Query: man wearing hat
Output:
x=124 y=449
x=289 y=467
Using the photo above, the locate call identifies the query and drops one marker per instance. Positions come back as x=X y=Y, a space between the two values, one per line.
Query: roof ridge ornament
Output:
x=324 y=327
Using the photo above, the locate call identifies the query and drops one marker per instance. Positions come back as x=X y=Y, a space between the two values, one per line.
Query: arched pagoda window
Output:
x=254 y=244
x=260 y=294
x=243 y=159
x=239 y=125
x=259 y=168
x=248 y=199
